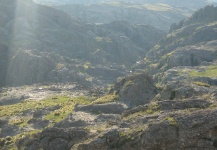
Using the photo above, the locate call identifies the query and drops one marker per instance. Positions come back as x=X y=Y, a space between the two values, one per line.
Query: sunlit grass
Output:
x=10 y=110
x=106 y=99
x=152 y=109
x=201 y=84
x=211 y=71
x=171 y=121
x=66 y=108
x=21 y=122
x=64 y=102
x=60 y=66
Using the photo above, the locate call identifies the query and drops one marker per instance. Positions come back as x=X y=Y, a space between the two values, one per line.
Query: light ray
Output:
x=23 y=37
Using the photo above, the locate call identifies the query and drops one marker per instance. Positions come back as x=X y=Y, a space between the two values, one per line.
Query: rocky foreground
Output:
x=181 y=117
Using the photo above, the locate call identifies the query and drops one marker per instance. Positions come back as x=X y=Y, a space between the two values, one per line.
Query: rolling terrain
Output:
x=68 y=84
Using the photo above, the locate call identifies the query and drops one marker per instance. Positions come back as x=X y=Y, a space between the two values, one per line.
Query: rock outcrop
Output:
x=135 y=90
x=108 y=108
x=28 y=67
x=56 y=139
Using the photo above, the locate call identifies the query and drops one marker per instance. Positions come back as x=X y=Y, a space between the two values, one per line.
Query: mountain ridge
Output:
x=160 y=14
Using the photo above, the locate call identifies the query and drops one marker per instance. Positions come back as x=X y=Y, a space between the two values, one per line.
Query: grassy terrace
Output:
x=152 y=109
x=64 y=102
x=211 y=71
x=106 y=99
x=67 y=107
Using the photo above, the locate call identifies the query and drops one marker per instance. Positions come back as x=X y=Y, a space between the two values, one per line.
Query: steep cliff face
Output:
x=28 y=67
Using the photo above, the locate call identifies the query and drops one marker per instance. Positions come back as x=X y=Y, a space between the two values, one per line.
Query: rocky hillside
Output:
x=172 y=105
x=192 y=44
x=42 y=44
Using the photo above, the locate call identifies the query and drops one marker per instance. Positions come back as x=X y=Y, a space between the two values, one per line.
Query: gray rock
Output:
x=175 y=131
x=182 y=90
x=135 y=90
x=34 y=66
x=9 y=130
x=108 y=108
x=58 y=144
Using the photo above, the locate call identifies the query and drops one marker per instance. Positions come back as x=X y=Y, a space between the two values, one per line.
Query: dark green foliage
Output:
x=172 y=95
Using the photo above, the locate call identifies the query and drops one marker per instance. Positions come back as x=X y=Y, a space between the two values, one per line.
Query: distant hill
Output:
x=160 y=14
x=184 y=3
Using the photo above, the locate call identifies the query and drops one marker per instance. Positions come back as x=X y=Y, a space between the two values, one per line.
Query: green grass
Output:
x=171 y=121
x=201 y=84
x=153 y=65
x=166 y=56
x=106 y=99
x=87 y=65
x=127 y=84
x=210 y=71
x=65 y=103
x=31 y=105
x=152 y=109
x=66 y=108
x=21 y=122
x=60 y=66
x=137 y=129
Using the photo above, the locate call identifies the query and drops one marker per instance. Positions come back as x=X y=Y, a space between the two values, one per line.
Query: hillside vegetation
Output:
x=165 y=99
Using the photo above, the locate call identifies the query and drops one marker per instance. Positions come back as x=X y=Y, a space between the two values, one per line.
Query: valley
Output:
x=93 y=75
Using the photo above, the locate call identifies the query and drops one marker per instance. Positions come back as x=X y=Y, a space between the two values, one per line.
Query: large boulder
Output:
x=136 y=89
